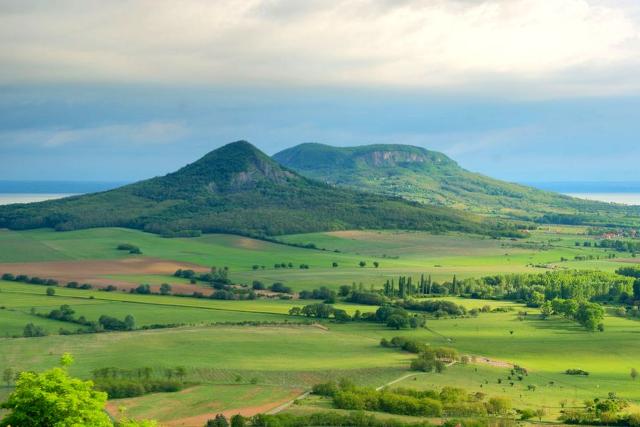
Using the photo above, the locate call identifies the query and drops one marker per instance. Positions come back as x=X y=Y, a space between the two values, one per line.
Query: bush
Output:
x=31 y=330
x=576 y=372
x=280 y=288
x=328 y=389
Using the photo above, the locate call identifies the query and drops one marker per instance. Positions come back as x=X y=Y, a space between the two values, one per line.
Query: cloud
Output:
x=533 y=45
x=149 y=133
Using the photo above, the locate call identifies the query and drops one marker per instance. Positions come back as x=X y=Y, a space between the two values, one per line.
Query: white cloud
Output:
x=432 y=44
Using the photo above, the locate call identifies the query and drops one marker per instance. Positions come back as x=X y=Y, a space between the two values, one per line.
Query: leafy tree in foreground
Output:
x=54 y=399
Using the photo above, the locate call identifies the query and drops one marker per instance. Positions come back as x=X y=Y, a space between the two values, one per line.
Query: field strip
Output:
x=162 y=304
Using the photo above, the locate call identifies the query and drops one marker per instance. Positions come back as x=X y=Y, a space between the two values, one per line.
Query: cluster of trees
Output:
x=531 y=288
x=30 y=330
x=279 y=265
x=280 y=288
x=323 y=293
x=361 y=297
x=105 y=323
x=609 y=411
x=576 y=372
x=218 y=278
x=23 y=278
x=277 y=287
x=407 y=287
x=393 y=317
x=588 y=314
x=76 y=285
x=350 y=419
x=396 y=318
x=631 y=271
x=620 y=245
x=221 y=292
x=534 y=289
x=132 y=249
x=430 y=359
x=438 y=307
x=321 y=311
x=407 y=344
x=121 y=383
x=450 y=401
x=434 y=359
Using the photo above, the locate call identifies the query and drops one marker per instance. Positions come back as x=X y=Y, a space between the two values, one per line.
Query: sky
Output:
x=522 y=90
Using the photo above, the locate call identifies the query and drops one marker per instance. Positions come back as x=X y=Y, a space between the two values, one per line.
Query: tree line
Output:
x=450 y=401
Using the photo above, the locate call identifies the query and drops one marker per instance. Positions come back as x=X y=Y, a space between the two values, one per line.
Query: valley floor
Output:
x=236 y=367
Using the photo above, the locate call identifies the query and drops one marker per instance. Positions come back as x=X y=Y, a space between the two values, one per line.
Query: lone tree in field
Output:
x=69 y=401
x=362 y=264
x=130 y=322
x=376 y=264
x=165 y=289
x=634 y=374
x=51 y=292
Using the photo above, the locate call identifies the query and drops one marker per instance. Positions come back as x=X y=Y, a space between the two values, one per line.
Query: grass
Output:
x=284 y=358
x=209 y=399
x=397 y=252
x=240 y=348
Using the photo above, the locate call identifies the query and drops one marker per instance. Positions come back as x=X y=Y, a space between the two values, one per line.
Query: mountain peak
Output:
x=235 y=166
x=316 y=156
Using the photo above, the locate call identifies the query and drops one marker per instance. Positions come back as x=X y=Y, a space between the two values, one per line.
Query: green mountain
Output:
x=432 y=178
x=237 y=189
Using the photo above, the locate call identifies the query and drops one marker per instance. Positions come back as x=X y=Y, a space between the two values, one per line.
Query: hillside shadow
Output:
x=554 y=324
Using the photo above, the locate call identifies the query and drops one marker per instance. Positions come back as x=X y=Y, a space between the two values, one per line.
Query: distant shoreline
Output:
x=623 y=198
x=10 y=198
x=56 y=187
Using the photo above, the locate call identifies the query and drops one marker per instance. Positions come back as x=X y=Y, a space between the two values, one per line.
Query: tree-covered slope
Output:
x=432 y=178
x=237 y=189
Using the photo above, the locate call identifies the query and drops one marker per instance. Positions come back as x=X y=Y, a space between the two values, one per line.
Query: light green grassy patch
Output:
x=203 y=401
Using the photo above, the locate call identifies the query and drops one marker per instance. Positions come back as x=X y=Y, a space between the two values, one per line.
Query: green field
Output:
x=285 y=359
x=397 y=252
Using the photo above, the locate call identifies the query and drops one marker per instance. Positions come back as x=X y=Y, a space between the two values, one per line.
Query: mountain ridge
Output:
x=238 y=189
x=435 y=179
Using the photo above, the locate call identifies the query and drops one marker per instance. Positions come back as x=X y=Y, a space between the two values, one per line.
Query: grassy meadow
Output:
x=397 y=252
x=262 y=366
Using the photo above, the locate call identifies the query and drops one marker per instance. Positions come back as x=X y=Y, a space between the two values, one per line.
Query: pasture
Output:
x=294 y=357
x=91 y=256
x=274 y=362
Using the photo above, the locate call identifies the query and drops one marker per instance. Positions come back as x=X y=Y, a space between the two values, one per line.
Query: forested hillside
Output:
x=238 y=189
x=432 y=178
